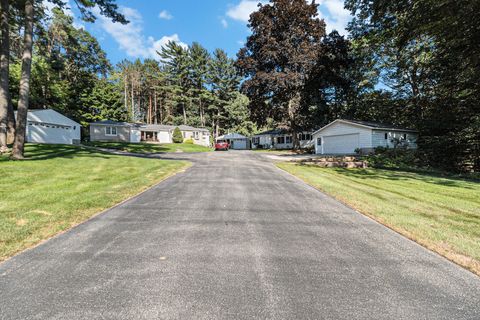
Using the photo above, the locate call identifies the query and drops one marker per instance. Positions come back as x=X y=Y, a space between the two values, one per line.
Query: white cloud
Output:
x=242 y=11
x=334 y=14
x=164 y=14
x=130 y=37
x=77 y=23
x=224 y=22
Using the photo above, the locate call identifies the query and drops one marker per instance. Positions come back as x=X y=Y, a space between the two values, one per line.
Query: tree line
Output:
x=48 y=62
x=409 y=63
x=403 y=63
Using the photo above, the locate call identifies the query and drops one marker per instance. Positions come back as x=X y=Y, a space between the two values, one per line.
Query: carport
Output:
x=236 y=141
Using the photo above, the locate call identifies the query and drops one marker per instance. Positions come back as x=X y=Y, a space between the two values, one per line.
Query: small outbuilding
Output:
x=343 y=137
x=51 y=127
x=236 y=141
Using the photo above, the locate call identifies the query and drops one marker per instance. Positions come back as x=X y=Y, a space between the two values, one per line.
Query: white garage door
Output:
x=341 y=144
x=239 y=144
x=164 y=137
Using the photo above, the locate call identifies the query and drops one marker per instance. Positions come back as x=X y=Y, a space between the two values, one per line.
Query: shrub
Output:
x=399 y=158
x=177 y=135
x=188 y=141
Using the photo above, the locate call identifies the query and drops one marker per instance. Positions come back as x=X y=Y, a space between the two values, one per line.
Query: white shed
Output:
x=50 y=126
x=347 y=136
x=236 y=141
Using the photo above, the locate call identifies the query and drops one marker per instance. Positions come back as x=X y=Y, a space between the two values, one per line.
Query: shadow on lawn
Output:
x=402 y=175
x=36 y=152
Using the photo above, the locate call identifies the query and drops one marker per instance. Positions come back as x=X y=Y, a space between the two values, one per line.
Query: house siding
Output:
x=337 y=129
x=378 y=138
x=97 y=133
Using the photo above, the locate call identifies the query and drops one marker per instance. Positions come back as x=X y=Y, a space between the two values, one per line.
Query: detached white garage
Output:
x=343 y=137
x=50 y=126
x=236 y=141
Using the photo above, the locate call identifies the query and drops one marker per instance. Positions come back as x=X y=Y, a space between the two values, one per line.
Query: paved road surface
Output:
x=234 y=238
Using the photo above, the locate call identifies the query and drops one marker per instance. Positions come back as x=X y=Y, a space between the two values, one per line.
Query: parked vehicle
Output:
x=221 y=145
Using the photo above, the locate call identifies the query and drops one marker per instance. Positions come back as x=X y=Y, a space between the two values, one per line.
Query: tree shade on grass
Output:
x=60 y=186
x=150 y=147
x=443 y=214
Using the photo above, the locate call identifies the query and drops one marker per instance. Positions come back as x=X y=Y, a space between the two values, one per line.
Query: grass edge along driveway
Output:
x=147 y=148
x=60 y=186
x=442 y=214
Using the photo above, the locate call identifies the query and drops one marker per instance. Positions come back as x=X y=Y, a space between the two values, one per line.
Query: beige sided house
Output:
x=132 y=132
x=108 y=130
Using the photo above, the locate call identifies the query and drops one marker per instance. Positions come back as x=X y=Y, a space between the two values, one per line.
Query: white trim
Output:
x=111 y=129
x=363 y=126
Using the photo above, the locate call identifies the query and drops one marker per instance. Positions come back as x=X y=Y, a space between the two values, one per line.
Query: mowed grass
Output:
x=149 y=147
x=443 y=214
x=57 y=187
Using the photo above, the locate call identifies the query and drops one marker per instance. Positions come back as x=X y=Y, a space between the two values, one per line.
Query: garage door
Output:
x=239 y=144
x=341 y=144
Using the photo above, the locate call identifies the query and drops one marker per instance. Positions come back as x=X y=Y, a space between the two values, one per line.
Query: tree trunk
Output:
x=150 y=109
x=184 y=114
x=155 y=106
x=19 y=143
x=202 y=117
x=4 y=71
x=217 y=125
x=125 y=93
x=132 y=112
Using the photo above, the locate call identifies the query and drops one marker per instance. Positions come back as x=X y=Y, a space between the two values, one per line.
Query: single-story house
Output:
x=51 y=127
x=279 y=139
x=164 y=133
x=347 y=136
x=108 y=130
x=236 y=141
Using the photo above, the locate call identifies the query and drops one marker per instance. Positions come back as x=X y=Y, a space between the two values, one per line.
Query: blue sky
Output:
x=213 y=23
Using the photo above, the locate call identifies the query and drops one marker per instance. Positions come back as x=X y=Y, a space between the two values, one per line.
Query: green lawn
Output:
x=149 y=147
x=58 y=187
x=440 y=213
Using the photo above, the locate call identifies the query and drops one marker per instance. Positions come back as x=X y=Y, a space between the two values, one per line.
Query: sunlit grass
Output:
x=57 y=187
x=441 y=213
x=150 y=147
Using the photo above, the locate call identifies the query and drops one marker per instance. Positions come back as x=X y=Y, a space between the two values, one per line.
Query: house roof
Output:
x=272 y=132
x=368 y=124
x=232 y=135
x=114 y=123
x=148 y=127
x=49 y=116
x=166 y=127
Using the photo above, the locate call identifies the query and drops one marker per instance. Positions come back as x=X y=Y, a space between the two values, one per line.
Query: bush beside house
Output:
x=177 y=135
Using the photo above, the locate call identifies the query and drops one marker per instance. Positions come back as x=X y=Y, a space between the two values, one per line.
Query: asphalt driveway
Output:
x=234 y=238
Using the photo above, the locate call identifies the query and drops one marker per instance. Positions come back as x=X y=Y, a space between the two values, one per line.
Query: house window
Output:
x=288 y=139
x=319 y=141
x=305 y=137
x=386 y=136
x=281 y=140
x=110 y=131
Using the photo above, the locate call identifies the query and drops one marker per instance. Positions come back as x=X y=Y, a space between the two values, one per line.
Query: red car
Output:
x=221 y=145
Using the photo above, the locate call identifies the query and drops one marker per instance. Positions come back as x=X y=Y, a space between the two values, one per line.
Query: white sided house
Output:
x=279 y=139
x=51 y=127
x=343 y=137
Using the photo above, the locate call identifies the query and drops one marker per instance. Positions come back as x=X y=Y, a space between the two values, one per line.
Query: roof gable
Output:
x=366 y=124
x=50 y=116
